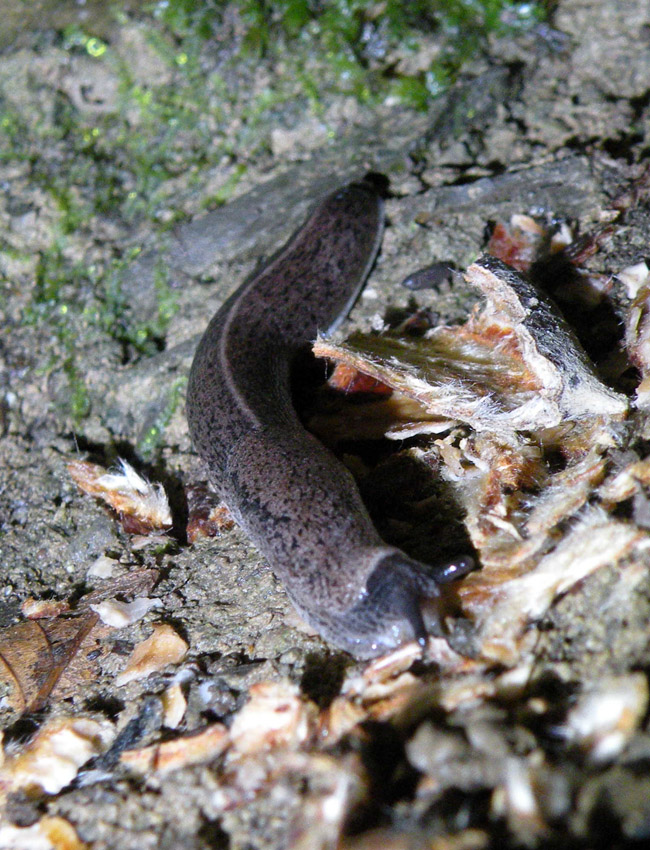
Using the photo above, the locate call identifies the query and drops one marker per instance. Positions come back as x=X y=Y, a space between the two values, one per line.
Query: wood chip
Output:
x=174 y=706
x=49 y=833
x=52 y=758
x=114 y=612
x=169 y=756
x=165 y=646
x=141 y=506
x=275 y=716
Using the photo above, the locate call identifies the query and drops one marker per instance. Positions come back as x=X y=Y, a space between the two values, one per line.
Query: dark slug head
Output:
x=401 y=603
x=377 y=182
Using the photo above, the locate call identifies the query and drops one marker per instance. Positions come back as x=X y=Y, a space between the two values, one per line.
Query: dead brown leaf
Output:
x=33 y=656
x=56 y=656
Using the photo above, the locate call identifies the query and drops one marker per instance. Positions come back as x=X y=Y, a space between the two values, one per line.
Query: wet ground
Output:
x=125 y=220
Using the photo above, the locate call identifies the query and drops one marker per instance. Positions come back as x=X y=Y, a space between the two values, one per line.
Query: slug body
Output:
x=296 y=501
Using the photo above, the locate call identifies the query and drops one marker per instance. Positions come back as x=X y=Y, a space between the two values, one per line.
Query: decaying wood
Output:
x=516 y=375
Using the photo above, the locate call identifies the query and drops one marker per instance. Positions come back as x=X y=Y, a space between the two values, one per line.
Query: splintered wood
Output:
x=515 y=365
x=142 y=507
x=516 y=375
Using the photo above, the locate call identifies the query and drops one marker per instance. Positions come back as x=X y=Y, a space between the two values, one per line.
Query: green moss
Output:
x=78 y=398
x=224 y=193
x=151 y=438
x=73 y=301
x=124 y=164
x=12 y=131
x=55 y=305
x=411 y=91
x=359 y=41
x=117 y=319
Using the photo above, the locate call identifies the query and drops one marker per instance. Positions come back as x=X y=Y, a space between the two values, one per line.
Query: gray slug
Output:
x=295 y=500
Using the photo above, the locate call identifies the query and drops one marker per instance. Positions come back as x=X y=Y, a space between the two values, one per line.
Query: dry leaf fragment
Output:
x=137 y=582
x=142 y=507
x=378 y=692
x=635 y=278
x=502 y=604
x=165 y=646
x=637 y=329
x=52 y=758
x=44 y=609
x=350 y=380
x=334 y=785
x=624 y=484
x=518 y=798
x=103 y=567
x=339 y=719
x=393 y=664
x=517 y=243
x=383 y=701
x=471 y=689
x=566 y=492
x=34 y=655
x=61 y=834
x=42 y=657
x=506 y=525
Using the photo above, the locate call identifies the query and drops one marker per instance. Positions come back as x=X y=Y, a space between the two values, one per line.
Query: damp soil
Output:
x=552 y=122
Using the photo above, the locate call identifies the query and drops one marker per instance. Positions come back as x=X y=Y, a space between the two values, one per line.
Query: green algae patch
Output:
x=122 y=132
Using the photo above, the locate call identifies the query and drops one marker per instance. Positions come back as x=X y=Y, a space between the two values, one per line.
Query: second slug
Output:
x=296 y=501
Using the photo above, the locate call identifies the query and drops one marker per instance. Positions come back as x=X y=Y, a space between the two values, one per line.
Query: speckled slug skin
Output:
x=296 y=501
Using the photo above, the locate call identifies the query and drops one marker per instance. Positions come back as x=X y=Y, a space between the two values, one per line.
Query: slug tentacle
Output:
x=297 y=502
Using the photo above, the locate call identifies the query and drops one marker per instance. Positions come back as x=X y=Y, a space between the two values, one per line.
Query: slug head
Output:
x=402 y=603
